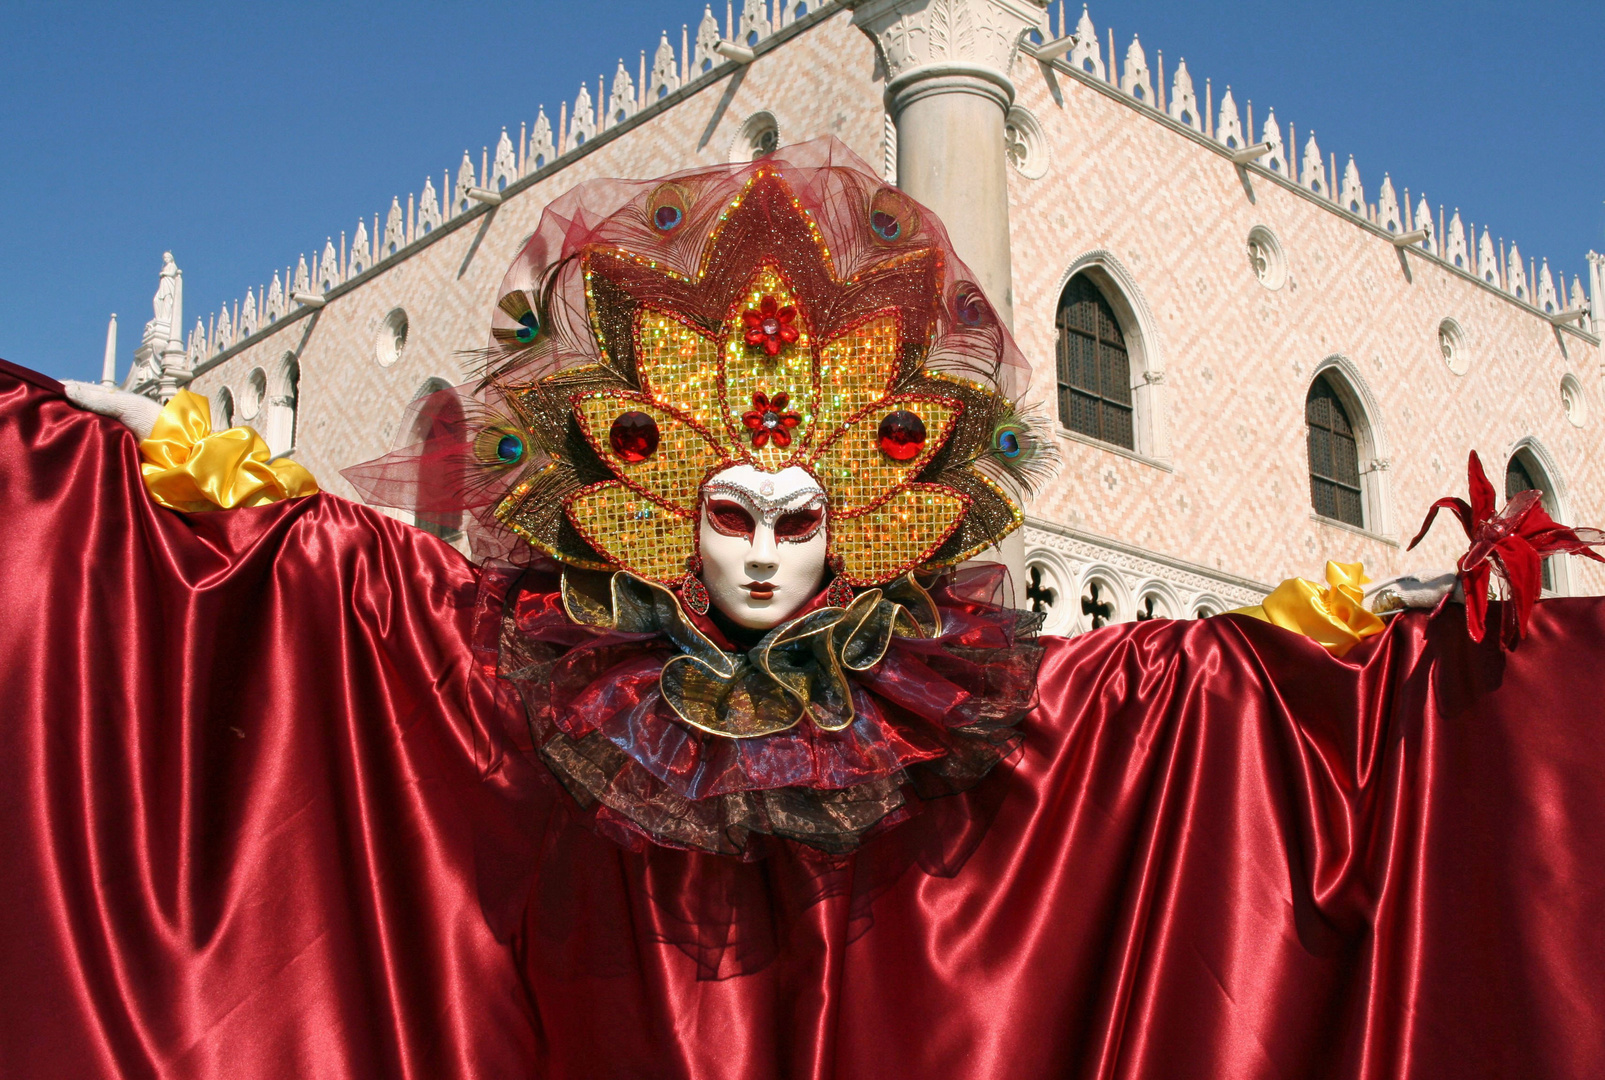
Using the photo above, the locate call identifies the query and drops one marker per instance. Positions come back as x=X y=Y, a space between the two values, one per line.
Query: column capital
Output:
x=970 y=44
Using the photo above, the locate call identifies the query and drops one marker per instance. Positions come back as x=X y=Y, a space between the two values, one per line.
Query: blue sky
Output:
x=239 y=136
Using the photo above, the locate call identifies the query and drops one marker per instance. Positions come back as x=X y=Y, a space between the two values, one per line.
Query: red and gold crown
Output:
x=794 y=312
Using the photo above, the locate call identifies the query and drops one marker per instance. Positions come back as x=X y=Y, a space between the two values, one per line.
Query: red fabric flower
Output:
x=770 y=326
x=769 y=420
x=1511 y=544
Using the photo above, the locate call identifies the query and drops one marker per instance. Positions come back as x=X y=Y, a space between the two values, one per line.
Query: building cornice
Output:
x=650 y=111
x=1259 y=172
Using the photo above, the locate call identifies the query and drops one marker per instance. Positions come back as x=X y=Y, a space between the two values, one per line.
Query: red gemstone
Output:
x=902 y=435
x=634 y=436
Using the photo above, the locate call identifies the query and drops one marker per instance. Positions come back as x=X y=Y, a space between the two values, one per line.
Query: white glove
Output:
x=1412 y=591
x=134 y=411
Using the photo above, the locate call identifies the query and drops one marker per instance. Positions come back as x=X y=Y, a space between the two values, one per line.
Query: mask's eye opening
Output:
x=800 y=524
x=730 y=518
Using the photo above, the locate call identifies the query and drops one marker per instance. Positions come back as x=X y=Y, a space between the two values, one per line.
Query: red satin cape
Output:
x=260 y=816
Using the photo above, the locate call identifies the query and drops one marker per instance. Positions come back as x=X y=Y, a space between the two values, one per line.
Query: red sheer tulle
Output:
x=259 y=818
x=600 y=259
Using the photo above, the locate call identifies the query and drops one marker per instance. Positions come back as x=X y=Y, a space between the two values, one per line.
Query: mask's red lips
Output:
x=760 y=590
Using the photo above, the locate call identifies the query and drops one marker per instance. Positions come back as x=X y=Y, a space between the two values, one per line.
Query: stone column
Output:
x=948 y=91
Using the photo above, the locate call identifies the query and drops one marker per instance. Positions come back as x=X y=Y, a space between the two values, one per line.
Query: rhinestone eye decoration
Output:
x=634 y=437
x=901 y=435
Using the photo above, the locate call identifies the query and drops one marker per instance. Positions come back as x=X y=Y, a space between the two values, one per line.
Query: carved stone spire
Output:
x=460 y=202
x=108 y=368
x=1547 y=300
x=705 y=59
x=1487 y=259
x=1085 y=54
x=1184 y=99
x=582 y=125
x=665 y=77
x=542 y=147
x=1229 y=127
x=1388 y=215
x=1271 y=132
x=504 y=169
x=1314 y=169
x=395 y=237
x=1134 y=77
x=1352 y=194
x=1454 y=248
x=621 y=104
x=1516 y=275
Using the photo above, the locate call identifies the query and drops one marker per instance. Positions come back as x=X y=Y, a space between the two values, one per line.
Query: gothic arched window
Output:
x=1094 y=367
x=1523 y=475
x=1334 y=456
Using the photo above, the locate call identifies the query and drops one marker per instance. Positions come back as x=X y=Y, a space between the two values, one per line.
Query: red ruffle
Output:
x=932 y=718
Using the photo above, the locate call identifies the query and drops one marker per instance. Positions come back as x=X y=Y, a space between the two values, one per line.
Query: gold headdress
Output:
x=775 y=315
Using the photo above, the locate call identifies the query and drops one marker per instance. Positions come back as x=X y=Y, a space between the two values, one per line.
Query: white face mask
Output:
x=762 y=542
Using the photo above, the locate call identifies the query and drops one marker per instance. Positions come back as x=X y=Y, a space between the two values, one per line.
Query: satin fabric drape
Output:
x=247 y=797
x=264 y=813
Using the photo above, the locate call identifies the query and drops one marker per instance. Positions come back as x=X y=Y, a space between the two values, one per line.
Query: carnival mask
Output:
x=684 y=388
x=762 y=543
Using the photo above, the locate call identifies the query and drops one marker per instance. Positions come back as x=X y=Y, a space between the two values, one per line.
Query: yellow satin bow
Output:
x=186 y=466
x=1335 y=617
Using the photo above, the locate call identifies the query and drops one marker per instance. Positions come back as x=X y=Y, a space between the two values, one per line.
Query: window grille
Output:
x=1334 y=457
x=1094 y=367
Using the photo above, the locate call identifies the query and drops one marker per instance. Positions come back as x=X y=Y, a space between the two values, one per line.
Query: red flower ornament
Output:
x=1511 y=544
x=770 y=326
x=769 y=421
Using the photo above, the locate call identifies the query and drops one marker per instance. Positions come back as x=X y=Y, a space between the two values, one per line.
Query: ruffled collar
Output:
x=830 y=728
x=799 y=671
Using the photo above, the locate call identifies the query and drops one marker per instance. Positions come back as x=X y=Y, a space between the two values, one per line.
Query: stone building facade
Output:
x=1263 y=317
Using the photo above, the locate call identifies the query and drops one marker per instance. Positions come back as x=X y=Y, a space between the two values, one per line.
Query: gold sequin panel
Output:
x=748 y=369
x=679 y=367
x=896 y=536
x=856 y=370
x=641 y=536
x=854 y=468
x=675 y=470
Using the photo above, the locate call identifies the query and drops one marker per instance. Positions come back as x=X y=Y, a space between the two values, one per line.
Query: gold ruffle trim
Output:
x=798 y=671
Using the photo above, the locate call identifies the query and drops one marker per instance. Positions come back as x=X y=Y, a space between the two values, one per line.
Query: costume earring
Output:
x=839 y=593
x=692 y=592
